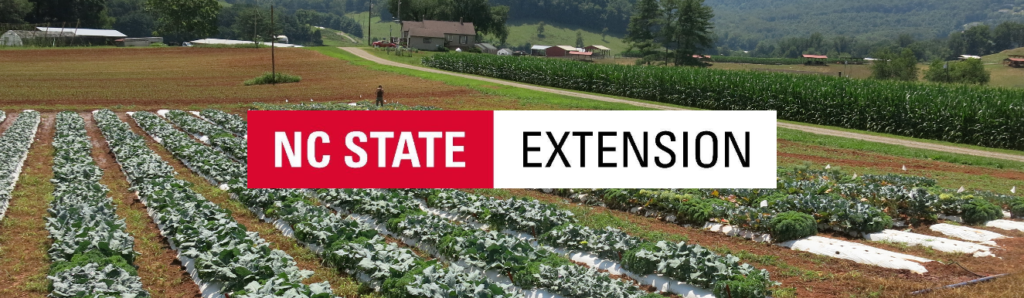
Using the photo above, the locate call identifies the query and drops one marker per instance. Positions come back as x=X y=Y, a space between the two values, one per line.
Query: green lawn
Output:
x=380 y=30
x=521 y=34
x=525 y=97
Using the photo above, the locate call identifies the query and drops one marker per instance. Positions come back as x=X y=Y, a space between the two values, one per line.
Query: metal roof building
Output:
x=218 y=41
x=85 y=32
x=538 y=50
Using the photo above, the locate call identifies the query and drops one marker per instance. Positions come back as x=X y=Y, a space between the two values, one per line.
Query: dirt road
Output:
x=811 y=129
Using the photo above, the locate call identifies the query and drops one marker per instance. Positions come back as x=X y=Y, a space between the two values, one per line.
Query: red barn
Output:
x=559 y=51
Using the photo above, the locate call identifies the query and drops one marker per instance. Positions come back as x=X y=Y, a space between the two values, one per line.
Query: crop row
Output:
x=524 y=265
x=688 y=263
x=92 y=252
x=228 y=121
x=220 y=254
x=210 y=133
x=956 y=113
x=14 y=145
x=806 y=202
x=206 y=161
x=718 y=273
x=385 y=265
x=347 y=245
x=784 y=61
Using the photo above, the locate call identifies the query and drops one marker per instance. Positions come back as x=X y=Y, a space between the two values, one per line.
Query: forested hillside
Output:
x=742 y=23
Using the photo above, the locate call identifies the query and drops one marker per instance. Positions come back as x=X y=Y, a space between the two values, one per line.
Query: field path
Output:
x=346 y=36
x=805 y=128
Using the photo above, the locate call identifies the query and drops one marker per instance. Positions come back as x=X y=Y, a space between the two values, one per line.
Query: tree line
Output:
x=977 y=40
x=184 y=20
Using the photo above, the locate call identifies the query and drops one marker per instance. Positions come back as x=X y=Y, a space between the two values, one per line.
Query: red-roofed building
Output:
x=1014 y=61
x=815 y=59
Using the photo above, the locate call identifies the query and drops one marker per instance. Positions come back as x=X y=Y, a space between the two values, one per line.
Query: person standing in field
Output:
x=380 y=95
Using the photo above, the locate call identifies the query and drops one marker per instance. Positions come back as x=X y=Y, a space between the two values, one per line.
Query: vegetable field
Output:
x=962 y=114
x=440 y=243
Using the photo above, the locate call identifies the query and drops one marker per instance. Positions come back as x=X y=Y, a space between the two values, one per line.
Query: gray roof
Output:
x=428 y=28
x=487 y=46
x=85 y=32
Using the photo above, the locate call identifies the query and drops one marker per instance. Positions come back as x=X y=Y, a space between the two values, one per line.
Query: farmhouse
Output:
x=432 y=35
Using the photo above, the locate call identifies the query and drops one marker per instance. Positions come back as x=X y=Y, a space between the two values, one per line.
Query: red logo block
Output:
x=371 y=149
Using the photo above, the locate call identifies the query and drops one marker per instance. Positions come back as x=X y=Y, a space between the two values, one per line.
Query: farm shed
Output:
x=600 y=52
x=1014 y=61
x=559 y=51
x=539 y=50
x=578 y=55
x=815 y=59
x=86 y=35
x=487 y=48
x=138 y=42
x=430 y=35
x=505 y=52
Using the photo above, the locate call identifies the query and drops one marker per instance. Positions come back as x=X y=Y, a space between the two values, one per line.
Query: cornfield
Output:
x=783 y=61
x=985 y=116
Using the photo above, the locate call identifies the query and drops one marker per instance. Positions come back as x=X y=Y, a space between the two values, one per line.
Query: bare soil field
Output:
x=81 y=79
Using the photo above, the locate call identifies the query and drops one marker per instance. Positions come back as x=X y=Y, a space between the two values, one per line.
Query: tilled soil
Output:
x=161 y=272
x=858 y=158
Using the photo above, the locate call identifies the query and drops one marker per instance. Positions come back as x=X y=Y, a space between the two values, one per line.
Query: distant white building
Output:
x=539 y=50
x=59 y=36
x=505 y=52
x=218 y=41
x=965 y=57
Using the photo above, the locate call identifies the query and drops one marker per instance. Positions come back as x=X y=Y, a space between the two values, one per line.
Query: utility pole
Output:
x=273 y=39
x=369 y=19
x=400 y=32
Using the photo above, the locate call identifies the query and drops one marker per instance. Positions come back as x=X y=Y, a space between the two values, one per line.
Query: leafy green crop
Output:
x=224 y=251
x=234 y=146
x=14 y=144
x=92 y=252
x=791 y=225
x=230 y=122
x=965 y=114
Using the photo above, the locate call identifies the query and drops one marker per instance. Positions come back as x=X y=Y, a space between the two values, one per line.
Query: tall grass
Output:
x=269 y=78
